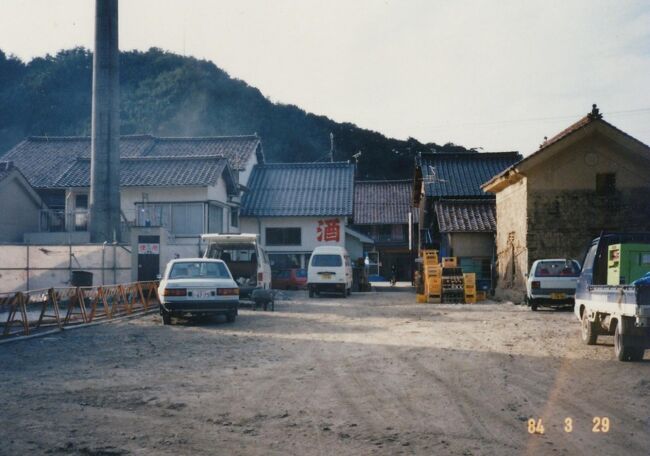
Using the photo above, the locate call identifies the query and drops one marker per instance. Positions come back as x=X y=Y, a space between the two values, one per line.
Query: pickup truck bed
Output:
x=619 y=310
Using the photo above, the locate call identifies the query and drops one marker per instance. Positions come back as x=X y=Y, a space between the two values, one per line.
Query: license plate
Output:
x=326 y=276
x=558 y=296
x=201 y=293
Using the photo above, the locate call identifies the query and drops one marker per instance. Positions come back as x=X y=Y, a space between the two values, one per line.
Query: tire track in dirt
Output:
x=469 y=407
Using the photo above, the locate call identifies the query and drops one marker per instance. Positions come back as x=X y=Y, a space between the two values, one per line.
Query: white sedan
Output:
x=197 y=286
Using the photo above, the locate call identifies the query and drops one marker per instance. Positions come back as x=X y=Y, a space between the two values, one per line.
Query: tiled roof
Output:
x=382 y=202
x=464 y=216
x=44 y=160
x=593 y=117
x=300 y=189
x=152 y=172
x=461 y=174
x=6 y=169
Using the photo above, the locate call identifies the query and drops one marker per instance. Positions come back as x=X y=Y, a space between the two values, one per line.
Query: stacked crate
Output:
x=469 y=280
x=449 y=262
x=453 y=290
x=432 y=276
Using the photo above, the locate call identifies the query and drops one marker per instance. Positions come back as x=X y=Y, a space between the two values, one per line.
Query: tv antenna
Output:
x=432 y=176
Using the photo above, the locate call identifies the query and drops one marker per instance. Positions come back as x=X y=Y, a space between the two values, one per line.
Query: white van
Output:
x=329 y=271
x=246 y=259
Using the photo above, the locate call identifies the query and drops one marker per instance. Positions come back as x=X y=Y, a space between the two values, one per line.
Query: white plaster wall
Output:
x=308 y=226
x=218 y=192
x=245 y=174
x=34 y=267
x=19 y=212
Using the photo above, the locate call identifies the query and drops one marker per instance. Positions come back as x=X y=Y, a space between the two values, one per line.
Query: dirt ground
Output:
x=371 y=374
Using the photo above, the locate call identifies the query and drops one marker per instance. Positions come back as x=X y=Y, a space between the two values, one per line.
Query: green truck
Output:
x=627 y=263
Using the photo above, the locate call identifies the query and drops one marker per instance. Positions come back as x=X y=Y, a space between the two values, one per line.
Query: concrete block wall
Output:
x=562 y=223
x=34 y=267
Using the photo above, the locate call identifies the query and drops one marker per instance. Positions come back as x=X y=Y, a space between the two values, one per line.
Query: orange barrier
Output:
x=81 y=305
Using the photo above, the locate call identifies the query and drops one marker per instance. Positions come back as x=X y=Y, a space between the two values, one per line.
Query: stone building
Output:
x=589 y=178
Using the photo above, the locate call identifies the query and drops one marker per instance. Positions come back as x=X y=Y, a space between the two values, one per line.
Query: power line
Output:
x=536 y=119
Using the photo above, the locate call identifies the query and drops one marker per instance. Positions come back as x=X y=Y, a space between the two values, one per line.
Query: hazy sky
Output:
x=495 y=74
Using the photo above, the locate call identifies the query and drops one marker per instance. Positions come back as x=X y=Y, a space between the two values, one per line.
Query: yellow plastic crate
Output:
x=449 y=262
x=470 y=278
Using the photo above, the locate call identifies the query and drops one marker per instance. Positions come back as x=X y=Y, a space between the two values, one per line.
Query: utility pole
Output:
x=104 y=199
x=331 y=147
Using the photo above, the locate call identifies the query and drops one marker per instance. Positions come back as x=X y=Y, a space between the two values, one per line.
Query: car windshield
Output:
x=301 y=273
x=559 y=268
x=199 y=270
x=326 y=260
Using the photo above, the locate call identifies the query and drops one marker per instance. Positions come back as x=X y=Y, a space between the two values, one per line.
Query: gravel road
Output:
x=371 y=374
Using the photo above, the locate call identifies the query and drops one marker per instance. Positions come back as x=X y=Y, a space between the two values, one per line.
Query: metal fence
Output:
x=30 y=311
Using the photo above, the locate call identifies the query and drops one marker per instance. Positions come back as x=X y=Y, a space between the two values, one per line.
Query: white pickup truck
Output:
x=619 y=310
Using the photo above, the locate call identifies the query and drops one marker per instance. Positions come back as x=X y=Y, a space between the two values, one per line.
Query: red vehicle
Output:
x=290 y=279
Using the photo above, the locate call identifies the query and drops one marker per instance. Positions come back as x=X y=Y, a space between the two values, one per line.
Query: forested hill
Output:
x=170 y=95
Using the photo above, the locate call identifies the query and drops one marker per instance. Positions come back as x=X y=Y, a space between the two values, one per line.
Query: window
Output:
x=605 y=184
x=326 y=260
x=199 y=269
x=234 y=216
x=81 y=201
x=181 y=219
x=397 y=232
x=284 y=260
x=81 y=212
x=155 y=214
x=283 y=236
x=552 y=268
x=187 y=219
x=215 y=219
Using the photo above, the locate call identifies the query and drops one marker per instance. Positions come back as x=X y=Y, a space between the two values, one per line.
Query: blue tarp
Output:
x=645 y=280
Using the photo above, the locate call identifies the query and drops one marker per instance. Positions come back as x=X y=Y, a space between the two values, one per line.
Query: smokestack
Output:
x=105 y=155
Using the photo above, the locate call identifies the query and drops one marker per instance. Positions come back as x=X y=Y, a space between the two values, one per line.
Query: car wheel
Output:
x=231 y=317
x=588 y=331
x=166 y=318
x=349 y=291
x=311 y=292
x=625 y=352
x=533 y=305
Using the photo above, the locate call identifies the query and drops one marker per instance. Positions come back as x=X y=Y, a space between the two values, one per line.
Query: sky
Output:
x=497 y=75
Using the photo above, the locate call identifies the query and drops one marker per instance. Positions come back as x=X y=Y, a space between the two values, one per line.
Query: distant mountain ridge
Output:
x=166 y=94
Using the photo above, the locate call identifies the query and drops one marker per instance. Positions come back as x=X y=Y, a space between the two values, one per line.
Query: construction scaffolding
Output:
x=55 y=308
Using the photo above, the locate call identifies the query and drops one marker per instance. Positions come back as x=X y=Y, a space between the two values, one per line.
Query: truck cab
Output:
x=618 y=309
